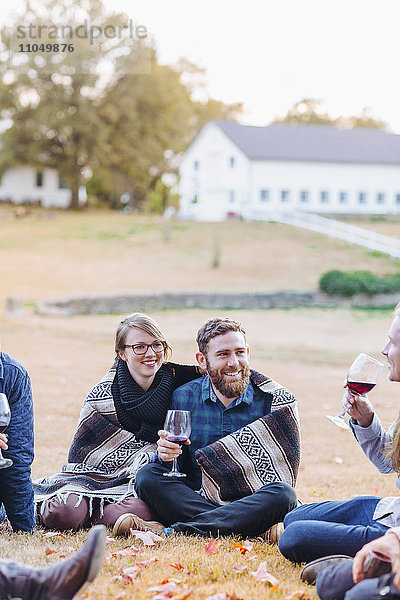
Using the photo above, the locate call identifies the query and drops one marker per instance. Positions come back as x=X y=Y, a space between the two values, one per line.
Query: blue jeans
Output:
x=336 y=583
x=182 y=508
x=335 y=527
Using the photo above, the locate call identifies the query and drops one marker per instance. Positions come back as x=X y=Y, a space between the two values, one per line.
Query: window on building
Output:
x=324 y=196
x=397 y=198
x=343 y=197
x=231 y=196
x=39 y=179
x=380 y=198
x=264 y=195
x=232 y=162
x=196 y=165
x=62 y=184
x=285 y=195
x=362 y=197
x=304 y=196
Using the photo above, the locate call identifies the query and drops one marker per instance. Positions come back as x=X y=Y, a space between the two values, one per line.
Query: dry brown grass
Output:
x=306 y=349
x=105 y=253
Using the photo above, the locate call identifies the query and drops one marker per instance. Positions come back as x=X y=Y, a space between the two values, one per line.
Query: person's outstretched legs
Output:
x=334 y=527
x=186 y=511
x=58 y=582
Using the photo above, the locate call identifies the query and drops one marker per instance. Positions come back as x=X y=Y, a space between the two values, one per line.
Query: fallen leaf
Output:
x=239 y=568
x=146 y=563
x=128 y=551
x=110 y=539
x=212 y=547
x=169 y=587
x=148 y=537
x=179 y=567
x=243 y=548
x=127 y=575
x=262 y=575
x=49 y=551
x=51 y=534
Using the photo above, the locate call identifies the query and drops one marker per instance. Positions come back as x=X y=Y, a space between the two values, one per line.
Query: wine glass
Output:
x=362 y=376
x=5 y=416
x=177 y=423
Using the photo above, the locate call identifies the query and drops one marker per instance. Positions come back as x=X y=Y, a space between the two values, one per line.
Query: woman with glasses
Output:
x=116 y=433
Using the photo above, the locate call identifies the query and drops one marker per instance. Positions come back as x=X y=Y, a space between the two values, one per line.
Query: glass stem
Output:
x=174 y=466
x=342 y=413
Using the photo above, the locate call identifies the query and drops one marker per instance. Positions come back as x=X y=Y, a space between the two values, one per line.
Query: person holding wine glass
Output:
x=313 y=531
x=116 y=433
x=228 y=400
x=16 y=408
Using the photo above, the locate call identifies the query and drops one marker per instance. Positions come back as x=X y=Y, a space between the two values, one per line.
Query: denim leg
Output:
x=333 y=582
x=307 y=540
x=357 y=511
x=180 y=506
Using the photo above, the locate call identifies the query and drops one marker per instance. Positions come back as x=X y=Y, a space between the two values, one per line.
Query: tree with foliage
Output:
x=84 y=112
x=310 y=111
x=151 y=119
x=49 y=97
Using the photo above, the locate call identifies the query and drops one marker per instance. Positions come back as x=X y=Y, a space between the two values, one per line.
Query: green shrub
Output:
x=350 y=283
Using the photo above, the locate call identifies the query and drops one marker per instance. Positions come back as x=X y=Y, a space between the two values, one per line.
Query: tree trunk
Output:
x=74 y=202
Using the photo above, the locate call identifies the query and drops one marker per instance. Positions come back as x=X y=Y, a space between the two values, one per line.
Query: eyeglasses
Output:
x=157 y=347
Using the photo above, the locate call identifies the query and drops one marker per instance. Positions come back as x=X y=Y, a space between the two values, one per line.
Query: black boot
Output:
x=58 y=582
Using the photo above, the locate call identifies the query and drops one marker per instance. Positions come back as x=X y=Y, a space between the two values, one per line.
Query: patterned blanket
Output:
x=264 y=451
x=103 y=459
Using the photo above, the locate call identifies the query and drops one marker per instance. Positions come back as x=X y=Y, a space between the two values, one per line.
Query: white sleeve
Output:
x=374 y=441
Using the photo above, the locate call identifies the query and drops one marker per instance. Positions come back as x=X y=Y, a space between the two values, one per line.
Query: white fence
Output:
x=336 y=229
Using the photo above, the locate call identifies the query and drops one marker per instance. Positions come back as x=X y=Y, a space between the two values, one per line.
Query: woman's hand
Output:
x=167 y=450
x=389 y=546
x=3 y=441
x=358 y=407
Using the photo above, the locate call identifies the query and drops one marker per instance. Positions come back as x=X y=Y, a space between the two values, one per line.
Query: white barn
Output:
x=26 y=185
x=234 y=170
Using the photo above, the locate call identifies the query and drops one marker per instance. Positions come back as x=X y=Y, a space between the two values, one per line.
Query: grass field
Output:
x=50 y=255
x=308 y=350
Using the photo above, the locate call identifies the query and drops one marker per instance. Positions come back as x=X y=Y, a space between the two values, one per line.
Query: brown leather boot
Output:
x=58 y=582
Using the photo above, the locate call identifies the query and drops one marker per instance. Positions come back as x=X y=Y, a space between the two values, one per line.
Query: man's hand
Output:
x=167 y=450
x=358 y=407
x=389 y=546
x=3 y=441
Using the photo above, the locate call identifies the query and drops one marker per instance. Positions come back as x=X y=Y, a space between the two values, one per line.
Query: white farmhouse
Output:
x=239 y=170
x=26 y=185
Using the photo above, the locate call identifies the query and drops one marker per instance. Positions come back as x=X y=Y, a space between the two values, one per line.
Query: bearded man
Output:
x=227 y=399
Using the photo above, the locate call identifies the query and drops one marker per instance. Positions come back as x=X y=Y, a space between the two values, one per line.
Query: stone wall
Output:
x=125 y=304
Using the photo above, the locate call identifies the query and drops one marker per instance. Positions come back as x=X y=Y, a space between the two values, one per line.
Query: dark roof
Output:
x=314 y=143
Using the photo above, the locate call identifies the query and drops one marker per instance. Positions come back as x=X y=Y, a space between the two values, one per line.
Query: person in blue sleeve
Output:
x=16 y=492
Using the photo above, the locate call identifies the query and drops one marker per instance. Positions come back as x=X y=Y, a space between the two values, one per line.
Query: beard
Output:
x=229 y=389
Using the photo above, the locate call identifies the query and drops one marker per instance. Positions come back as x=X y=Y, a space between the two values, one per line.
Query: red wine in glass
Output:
x=360 y=388
x=178 y=439
x=5 y=416
x=177 y=423
x=363 y=375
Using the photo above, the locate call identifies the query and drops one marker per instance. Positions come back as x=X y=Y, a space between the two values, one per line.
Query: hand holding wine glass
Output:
x=5 y=416
x=362 y=376
x=177 y=424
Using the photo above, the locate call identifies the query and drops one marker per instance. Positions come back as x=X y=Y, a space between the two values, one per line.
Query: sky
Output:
x=270 y=54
